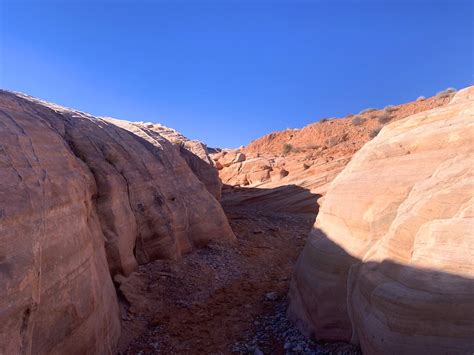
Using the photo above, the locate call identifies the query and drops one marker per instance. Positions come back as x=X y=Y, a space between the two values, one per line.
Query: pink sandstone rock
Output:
x=195 y=153
x=56 y=294
x=390 y=262
x=81 y=199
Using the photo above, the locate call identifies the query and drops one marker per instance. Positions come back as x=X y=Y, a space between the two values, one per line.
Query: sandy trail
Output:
x=216 y=299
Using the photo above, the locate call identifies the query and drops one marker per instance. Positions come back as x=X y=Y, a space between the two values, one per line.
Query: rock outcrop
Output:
x=194 y=152
x=313 y=156
x=390 y=261
x=82 y=199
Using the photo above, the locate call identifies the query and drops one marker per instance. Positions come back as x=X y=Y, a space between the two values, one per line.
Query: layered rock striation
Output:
x=82 y=199
x=194 y=152
x=390 y=262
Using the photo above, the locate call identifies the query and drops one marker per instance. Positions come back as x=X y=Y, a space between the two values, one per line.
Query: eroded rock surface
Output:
x=194 y=152
x=310 y=157
x=81 y=199
x=390 y=261
x=56 y=293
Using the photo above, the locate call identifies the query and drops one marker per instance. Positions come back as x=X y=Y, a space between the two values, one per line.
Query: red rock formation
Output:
x=81 y=198
x=339 y=135
x=56 y=293
x=310 y=157
x=390 y=262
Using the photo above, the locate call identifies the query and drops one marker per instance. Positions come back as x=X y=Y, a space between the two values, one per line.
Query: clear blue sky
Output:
x=227 y=72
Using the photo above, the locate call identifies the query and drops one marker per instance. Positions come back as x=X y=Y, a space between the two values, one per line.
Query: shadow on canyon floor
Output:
x=385 y=306
x=209 y=302
x=215 y=299
x=286 y=198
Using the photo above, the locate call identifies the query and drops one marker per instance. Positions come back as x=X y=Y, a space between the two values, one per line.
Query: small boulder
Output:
x=271 y=296
x=240 y=157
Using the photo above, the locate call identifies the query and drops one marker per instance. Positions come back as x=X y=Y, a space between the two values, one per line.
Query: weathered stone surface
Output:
x=229 y=157
x=195 y=153
x=81 y=198
x=56 y=294
x=315 y=154
x=390 y=262
x=240 y=157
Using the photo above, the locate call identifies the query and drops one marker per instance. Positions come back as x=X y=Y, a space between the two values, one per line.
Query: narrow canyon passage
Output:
x=223 y=298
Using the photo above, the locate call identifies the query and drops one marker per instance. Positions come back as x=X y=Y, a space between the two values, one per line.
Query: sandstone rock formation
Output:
x=390 y=262
x=194 y=152
x=196 y=155
x=310 y=157
x=81 y=199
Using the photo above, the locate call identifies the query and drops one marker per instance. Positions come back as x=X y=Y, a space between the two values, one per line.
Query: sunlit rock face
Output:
x=56 y=294
x=310 y=157
x=194 y=152
x=82 y=199
x=390 y=262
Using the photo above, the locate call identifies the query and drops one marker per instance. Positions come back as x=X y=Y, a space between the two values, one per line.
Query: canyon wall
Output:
x=390 y=262
x=194 y=152
x=82 y=199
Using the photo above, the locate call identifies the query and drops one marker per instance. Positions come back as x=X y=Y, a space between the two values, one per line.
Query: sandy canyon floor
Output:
x=223 y=298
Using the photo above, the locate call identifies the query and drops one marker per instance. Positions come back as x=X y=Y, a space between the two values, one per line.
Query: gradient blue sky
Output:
x=227 y=72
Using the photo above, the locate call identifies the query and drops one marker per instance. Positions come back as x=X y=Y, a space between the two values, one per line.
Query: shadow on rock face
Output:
x=206 y=172
x=287 y=198
x=82 y=199
x=385 y=307
x=389 y=263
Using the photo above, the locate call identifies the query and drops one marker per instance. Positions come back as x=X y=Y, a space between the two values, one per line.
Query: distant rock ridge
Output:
x=310 y=157
x=389 y=264
x=82 y=199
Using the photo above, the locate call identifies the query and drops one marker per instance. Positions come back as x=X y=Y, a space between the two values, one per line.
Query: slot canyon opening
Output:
x=226 y=297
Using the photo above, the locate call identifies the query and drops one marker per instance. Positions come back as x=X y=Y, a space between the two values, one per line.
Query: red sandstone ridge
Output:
x=82 y=199
x=310 y=157
x=343 y=134
x=389 y=263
